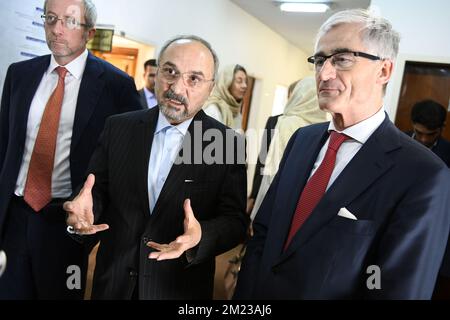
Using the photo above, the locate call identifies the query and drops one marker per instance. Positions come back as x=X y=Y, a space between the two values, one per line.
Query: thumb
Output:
x=187 y=209
x=89 y=183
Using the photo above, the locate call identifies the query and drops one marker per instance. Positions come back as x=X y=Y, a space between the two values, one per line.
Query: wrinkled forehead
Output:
x=339 y=37
x=189 y=56
x=67 y=7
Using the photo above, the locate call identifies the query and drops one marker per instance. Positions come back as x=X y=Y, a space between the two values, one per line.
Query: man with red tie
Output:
x=357 y=210
x=53 y=109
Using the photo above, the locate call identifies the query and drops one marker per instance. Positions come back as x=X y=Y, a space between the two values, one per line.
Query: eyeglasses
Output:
x=190 y=79
x=69 y=22
x=340 y=60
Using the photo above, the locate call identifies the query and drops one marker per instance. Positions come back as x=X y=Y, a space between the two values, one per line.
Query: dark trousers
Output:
x=39 y=253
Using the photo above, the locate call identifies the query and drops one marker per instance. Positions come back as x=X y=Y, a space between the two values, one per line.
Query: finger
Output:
x=157 y=246
x=154 y=255
x=93 y=229
x=100 y=227
x=172 y=254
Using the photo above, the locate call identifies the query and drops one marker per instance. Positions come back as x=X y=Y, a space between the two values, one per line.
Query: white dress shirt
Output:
x=359 y=134
x=150 y=97
x=166 y=144
x=61 y=180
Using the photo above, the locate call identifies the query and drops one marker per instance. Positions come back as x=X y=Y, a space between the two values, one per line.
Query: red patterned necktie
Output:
x=38 y=187
x=316 y=186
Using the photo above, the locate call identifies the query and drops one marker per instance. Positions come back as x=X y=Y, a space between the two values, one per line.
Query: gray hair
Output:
x=192 y=38
x=376 y=32
x=90 y=12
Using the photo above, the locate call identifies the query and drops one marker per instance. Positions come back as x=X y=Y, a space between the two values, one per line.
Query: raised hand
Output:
x=80 y=212
x=189 y=239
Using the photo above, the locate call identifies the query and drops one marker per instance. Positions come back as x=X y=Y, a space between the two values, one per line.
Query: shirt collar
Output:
x=364 y=129
x=75 y=67
x=148 y=93
x=163 y=123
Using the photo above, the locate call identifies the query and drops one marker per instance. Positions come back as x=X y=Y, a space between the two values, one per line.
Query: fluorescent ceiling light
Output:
x=303 y=7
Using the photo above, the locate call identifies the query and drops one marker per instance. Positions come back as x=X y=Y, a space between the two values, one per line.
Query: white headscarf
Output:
x=221 y=96
x=302 y=109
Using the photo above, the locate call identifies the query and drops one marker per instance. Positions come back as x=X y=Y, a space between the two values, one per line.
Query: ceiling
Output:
x=298 y=28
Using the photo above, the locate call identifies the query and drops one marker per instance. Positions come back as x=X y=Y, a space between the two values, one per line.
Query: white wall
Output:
x=425 y=30
x=236 y=36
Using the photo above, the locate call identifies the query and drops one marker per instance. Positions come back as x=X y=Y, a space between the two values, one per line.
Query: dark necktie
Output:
x=316 y=186
x=38 y=187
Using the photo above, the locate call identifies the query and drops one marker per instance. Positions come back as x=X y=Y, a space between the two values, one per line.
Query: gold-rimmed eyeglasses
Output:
x=191 y=79
x=69 y=22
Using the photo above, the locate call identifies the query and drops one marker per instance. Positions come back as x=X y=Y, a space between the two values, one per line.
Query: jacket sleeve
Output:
x=229 y=226
x=411 y=248
x=129 y=97
x=248 y=274
x=4 y=115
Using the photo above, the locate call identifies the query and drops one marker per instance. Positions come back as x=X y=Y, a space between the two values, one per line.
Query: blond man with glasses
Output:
x=357 y=210
x=52 y=112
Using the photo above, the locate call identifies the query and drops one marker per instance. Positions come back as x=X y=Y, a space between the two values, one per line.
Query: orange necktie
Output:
x=38 y=187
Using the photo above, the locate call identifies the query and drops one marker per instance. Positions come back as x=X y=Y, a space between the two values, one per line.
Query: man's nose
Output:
x=422 y=139
x=178 y=85
x=58 y=27
x=328 y=71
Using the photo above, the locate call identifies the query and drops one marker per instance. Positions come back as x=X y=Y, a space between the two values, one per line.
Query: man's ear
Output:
x=91 y=34
x=386 y=71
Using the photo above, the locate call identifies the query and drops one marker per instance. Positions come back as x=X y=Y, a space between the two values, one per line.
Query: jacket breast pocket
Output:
x=356 y=227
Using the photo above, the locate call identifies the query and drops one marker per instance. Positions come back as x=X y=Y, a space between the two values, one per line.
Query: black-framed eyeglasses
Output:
x=190 y=79
x=340 y=60
x=69 y=22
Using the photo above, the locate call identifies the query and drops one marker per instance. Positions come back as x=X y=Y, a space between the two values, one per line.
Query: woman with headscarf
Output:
x=225 y=102
x=302 y=109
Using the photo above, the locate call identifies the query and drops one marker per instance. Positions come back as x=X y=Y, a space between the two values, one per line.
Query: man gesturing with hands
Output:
x=164 y=213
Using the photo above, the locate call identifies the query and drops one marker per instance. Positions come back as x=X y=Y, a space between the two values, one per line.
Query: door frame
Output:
x=395 y=84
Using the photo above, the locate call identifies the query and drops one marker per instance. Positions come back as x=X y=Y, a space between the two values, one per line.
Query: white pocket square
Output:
x=343 y=212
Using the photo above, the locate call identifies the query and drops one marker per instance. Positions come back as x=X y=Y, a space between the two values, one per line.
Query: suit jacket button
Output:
x=133 y=273
x=145 y=240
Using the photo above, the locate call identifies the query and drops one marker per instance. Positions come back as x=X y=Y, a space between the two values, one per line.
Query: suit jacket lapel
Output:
x=32 y=82
x=144 y=139
x=371 y=161
x=177 y=172
x=292 y=181
x=90 y=90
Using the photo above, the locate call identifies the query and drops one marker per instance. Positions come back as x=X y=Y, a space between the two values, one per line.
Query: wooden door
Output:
x=422 y=80
x=246 y=102
x=123 y=58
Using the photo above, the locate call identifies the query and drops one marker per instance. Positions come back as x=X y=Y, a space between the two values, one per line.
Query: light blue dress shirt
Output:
x=167 y=142
x=151 y=98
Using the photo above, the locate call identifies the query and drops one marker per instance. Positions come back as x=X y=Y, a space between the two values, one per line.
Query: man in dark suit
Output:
x=357 y=209
x=428 y=120
x=168 y=207
x=147 y=93
x=53 y=109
